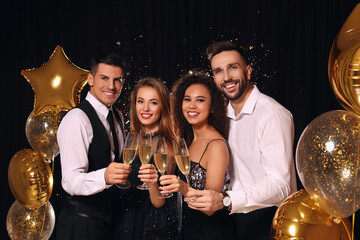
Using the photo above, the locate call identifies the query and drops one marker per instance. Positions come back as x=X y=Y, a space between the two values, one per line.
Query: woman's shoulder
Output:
x=217 y=144
x=215 y=138
x=210 y=145
x=217 y=152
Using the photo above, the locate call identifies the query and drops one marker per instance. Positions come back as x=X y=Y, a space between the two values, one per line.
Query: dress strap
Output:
x=209 y=144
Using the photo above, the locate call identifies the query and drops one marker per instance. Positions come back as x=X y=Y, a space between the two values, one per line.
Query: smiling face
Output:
x=196 y=105
x=106 y=84
x=148 y=108
x=231 y=74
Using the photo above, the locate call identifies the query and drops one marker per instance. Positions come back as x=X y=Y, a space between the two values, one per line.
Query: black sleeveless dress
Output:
x=139 y=219
x=197 y=225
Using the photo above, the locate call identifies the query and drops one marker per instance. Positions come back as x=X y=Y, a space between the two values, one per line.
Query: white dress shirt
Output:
x=261 y=139
x=74 y=137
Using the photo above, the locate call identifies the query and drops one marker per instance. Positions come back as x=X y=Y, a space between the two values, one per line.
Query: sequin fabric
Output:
x=197 y=176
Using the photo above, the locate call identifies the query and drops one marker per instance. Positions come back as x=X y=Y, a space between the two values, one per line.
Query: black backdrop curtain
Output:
x=288 y=43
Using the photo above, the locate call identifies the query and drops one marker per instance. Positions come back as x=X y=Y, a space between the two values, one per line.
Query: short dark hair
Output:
x=219 y=47
x=112 y=58
x=218 y=119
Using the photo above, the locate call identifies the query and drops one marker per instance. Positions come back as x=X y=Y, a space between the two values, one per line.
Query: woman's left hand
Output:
x=148 y=174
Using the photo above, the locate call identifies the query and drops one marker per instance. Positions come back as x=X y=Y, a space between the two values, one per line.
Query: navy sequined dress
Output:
x=139 y=219
x=197 y=225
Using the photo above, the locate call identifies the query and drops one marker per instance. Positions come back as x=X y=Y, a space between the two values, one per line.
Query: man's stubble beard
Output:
x=240 y=91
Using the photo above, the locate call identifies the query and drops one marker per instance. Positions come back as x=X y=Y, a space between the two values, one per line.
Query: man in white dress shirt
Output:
x=87 y=155
x=262 y=171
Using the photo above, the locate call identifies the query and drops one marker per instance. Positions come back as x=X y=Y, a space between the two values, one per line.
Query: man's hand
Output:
x=204 y=200
x=116 y=173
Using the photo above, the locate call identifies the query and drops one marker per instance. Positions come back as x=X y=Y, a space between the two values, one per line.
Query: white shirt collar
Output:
x=97 y=105
x=249 y=105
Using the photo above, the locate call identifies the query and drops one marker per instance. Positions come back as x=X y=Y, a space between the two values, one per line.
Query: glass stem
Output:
x=187 y=180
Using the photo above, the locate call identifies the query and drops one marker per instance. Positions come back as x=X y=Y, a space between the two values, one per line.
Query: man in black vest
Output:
x=90 y=138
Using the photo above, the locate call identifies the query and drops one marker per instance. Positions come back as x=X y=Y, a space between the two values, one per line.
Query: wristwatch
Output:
x=226 y=201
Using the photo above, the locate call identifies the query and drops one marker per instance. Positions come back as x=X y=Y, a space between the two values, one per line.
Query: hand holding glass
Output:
x=129 y=152
x=145 y=153
x=161 y=160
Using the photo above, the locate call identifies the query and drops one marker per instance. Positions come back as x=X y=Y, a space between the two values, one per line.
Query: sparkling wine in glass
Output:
x=145 y=152
x=182 y=157
x=161 y=159
x=129 y=153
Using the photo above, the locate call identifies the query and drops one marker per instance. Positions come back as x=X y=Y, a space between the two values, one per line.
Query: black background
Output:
x=288 y=43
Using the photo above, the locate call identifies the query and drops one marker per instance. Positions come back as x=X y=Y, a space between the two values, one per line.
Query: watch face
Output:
x=226 y=201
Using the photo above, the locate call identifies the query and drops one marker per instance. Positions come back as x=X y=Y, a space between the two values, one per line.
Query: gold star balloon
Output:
x=344 y=63
x=58 y=82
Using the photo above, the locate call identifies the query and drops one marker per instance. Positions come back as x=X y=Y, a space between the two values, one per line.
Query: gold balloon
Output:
x=22 y=223
x=344 y=63
x=300 y=217
x=41 y=131
x=328 y=159
x=30 y=178
x=58 y=82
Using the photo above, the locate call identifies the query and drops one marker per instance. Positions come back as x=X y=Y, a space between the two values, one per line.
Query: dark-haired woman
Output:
x=199 y=114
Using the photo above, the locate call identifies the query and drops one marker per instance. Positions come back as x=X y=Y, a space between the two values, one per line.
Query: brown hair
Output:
x=219 y=47
x=165 y=124
x=217 y=118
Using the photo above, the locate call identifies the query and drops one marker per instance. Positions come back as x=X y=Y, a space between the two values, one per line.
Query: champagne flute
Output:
x=161 y=160
x=182 y=157
x=145 y=153
x=129 y=153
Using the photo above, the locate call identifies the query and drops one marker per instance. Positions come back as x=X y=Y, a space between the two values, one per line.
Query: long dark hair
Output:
x=217 y=118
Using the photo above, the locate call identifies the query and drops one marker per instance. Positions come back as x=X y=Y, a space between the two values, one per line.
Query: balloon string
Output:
x=346 y=228
x=45 y=206
x=354 y=205
x=52 y=165
x=43 y=222
x=353 y=225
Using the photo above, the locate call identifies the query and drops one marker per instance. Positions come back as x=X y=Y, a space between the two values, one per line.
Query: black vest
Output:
x=101 y=205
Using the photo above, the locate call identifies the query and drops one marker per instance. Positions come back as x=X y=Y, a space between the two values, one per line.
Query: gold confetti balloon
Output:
x=23 y=223
x=300 y=217
x=30 y=179
x=344 y=63
x=327 y=160
x=41 y=131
